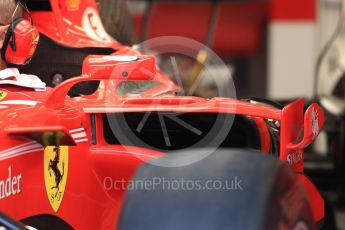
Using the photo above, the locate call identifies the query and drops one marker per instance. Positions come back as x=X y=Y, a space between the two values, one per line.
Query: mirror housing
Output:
x=313 y=122
x=46 y=136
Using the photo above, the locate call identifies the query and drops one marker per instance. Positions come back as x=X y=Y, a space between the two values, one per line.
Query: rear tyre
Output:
x=269 y=195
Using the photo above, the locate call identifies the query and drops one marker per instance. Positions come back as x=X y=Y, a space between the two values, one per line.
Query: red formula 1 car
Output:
x=132 y=154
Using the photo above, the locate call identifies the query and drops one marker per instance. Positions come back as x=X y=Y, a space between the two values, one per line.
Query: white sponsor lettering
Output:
x=315 y=123
x=295 y=157
x=11 y=185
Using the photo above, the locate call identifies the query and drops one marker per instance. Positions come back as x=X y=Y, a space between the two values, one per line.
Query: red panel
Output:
x=138 y=24
x=180 y=19
x=293 y=10
x=315 y=199
x=290 y=130
x=241 y=28
x=265 y=138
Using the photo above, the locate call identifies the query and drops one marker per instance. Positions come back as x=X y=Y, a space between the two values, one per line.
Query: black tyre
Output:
x=117 y=20
x=269 y=196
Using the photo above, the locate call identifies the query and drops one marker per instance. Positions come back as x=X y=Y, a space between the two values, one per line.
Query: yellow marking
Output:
x=3 y=94
x=73 y=4
x=55 y=173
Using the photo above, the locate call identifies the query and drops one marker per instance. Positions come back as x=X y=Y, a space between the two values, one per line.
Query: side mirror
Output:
x=98 y=68
x=313 y=122
x=46 y=136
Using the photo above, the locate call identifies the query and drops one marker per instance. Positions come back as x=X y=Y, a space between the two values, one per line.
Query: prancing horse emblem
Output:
x=53 y=166
x=55 y=173
x=3 y=94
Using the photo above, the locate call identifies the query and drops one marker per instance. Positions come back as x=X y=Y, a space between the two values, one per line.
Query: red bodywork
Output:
x=29 y=118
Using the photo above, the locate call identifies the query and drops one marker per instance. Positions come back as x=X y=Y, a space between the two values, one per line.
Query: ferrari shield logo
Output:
x=3 y=94
x=55 y=173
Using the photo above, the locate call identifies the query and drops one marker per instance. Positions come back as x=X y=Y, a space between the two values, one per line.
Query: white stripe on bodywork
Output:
x=21 y=153
x=19 y=102
x=76 y=130
x=81 y=140
x=25 y=148
x=78 y=135
x=18 y=146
